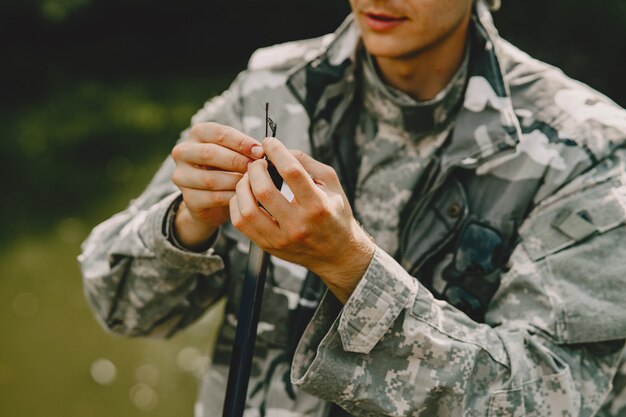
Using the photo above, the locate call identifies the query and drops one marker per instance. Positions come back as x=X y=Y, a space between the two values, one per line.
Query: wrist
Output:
x=190 y=233
x=345 y=273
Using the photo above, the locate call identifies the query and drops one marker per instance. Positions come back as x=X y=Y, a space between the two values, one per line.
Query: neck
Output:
x=423 y=74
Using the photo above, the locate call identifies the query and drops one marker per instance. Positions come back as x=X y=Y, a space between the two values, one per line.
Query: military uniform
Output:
x=500 y=290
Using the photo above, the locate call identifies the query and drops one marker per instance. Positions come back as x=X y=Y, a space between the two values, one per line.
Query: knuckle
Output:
x=242 y=143
x=177 y=176
x=318 y=211
x=249 y=215
x=221 y=134
x=281 y=244
x=208 y=182
x=217 y=200
x=238 y=222
x=265 y=194
x=177 y=152
x=239 y=162
x=293 y=172
x=328 y=171
x=299 y=234
x=195 y=130
x=207 y=153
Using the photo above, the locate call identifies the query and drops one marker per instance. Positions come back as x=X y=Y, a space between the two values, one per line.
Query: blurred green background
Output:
x=93 y=94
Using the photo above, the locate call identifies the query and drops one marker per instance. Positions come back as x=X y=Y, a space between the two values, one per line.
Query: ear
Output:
x=494 y=5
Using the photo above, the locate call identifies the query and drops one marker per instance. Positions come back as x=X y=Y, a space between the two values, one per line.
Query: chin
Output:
x=390 y=48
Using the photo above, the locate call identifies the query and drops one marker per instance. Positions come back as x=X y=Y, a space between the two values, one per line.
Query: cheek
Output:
x=435 y=17
x=354 y=5
x=433 y=20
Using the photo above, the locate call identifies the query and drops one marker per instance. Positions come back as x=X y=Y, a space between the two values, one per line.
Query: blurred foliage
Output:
x=81 y=142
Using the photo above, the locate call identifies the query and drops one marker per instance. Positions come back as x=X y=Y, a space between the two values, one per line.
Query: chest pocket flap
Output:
x=564 y=223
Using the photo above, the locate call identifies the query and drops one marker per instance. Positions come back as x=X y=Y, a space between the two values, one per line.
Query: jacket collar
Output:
x=486 y=123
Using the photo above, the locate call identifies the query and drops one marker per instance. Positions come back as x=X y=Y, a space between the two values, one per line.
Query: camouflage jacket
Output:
x=506 y=297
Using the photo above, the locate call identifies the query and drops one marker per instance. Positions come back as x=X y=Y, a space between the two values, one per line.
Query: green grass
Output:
x=50 y=340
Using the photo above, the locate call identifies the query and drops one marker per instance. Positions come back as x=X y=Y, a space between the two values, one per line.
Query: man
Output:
x=463 y=203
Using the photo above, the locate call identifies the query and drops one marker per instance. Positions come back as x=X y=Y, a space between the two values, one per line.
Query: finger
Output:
x=320 y=172
x=291 y=170
x=212 y=155
x=198 y=200
x=240 y=224
x=265 y=191
x=253 y=219
x=228 y=137
x=202 y=179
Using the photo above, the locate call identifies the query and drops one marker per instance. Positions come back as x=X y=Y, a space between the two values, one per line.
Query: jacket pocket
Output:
x=434 y=226
x=581 y=240
x=549 y=395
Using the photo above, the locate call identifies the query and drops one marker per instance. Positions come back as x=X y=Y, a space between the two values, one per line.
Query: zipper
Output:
x=417 y=208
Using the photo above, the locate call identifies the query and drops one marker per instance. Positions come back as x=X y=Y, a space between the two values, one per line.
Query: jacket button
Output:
x=455 y=210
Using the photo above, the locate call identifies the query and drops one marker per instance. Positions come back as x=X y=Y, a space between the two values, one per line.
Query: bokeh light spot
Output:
x=192 y=360
x=200 y=365
x=143 y=397
x=26 y=304
x=103 y=371
x=186 y=357
x=148 y=374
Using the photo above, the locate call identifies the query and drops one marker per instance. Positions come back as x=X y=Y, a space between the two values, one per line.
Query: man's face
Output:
x=399 y=29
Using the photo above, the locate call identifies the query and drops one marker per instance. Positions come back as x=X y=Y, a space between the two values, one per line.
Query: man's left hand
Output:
x=316 y=229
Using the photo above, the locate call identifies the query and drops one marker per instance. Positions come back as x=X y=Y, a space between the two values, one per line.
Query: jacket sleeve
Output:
x=550 y=346
x=136 y=281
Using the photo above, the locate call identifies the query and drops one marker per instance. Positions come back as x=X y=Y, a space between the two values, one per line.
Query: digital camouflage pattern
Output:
x=534 y=156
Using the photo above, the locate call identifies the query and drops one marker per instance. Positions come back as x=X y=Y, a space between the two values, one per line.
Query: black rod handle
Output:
x=245 y=336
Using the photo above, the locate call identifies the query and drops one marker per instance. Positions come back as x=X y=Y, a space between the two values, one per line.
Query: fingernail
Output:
x=257 y=151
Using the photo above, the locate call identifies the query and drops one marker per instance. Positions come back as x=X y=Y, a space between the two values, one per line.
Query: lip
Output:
x=382 y=22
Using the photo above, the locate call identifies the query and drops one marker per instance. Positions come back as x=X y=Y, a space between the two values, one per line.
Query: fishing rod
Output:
x=249 y=309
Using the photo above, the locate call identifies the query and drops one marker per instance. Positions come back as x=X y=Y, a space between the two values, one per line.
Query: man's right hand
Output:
x=209 y=164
